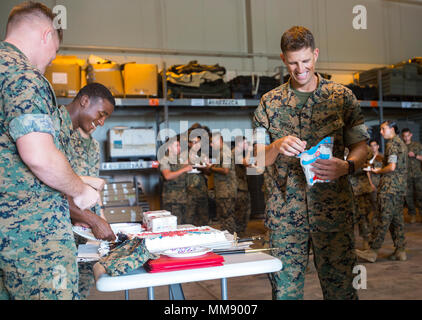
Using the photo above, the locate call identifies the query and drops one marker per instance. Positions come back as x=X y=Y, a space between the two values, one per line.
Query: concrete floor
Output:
x=385 y=279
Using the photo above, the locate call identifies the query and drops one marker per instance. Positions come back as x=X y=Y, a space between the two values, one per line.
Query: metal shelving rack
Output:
x=138 y=106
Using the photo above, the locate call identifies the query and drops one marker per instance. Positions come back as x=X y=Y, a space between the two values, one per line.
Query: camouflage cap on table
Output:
x=130 y=255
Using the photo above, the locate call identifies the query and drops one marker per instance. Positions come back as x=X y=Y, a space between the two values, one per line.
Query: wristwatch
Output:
x=351 y=166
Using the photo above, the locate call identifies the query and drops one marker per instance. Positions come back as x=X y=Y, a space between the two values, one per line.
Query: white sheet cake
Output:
x=182 y=237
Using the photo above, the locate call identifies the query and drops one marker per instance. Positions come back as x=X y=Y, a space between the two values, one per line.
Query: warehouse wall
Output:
x=392 y=32
x=222 y=26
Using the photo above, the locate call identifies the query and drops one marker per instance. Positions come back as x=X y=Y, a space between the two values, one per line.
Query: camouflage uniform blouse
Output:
x=360 y=181
x=395 y=182
x=83 y=153
x=27 y=104
x=332 y=110
x=225 y=186
x=173 y=190
x=414 y=169
x=377 y=164
x=241 y=176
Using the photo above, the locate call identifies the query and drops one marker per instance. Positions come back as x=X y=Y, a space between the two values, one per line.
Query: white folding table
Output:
x=235 y=265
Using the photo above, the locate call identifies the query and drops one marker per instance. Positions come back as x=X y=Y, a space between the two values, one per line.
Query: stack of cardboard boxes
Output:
x=120 y=202
x=68 y=75
x=400 y=80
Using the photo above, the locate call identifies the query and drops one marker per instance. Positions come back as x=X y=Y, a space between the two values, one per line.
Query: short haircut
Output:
x=96 y=90
x=373 y=140
x=392 y=124
x=406 y=130
x=297 y=38
x=27 y=10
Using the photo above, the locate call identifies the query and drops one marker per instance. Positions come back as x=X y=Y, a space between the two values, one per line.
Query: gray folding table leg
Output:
x=223 y=288
x=150 y=293
x=176 y=292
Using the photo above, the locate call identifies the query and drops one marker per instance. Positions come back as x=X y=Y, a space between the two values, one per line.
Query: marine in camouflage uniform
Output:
x=375 y=180
x=86 y=162
x=84 y=157
x=414 y=179
x=37 y=249
x=197 y=196
x=243 y=198
x=392 y=190
x=362 y=194
x=322 y=215
x=225 y=187
x=174 y=197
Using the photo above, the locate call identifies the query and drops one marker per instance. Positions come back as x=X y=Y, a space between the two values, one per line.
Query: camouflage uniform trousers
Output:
x=374 y=205
x=86 y=273
x=177 y=209
x=197 y=209
x=389 y=217
x=242 y=210
x=39 y=270
x=334 y=260
x=364 y=210
x=226 y=213
x=414 y=194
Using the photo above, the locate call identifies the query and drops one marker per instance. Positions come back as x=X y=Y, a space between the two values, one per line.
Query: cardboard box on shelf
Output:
x=64 y=74
x=109 y=75
x=123 y=214
x=118 y=192
x=125 y=142
x=140 y=79
x=118 y=185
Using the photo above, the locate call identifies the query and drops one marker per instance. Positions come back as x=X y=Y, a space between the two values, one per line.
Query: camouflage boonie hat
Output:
x=128 y=256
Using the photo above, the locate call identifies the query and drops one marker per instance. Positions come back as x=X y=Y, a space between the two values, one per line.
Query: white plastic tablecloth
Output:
x=235 y=265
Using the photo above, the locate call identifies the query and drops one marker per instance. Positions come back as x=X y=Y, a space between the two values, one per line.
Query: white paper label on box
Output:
x=198 y=102
x=59 y=77
x=226 y=102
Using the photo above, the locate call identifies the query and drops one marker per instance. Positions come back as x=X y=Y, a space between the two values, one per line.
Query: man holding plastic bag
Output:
x=310 y=120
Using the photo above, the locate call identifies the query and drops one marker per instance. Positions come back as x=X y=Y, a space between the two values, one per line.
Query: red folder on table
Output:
x=165 y=263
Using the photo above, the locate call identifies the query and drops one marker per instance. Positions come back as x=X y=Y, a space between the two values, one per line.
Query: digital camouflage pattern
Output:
x=87 y=155
x=174 y=198
x=414 y=179
x=84 y=157
x=128 y=256
x=35 y=228
x=375 y=178
x=395 y=182
x=332 y=110
x=242 y=210
x=360 y=181
x=225 y=187
x=389 y=218
x=378 y=163
x=333 y=258
x=197 y=200
x=363 y=213
x=326 y=209
x=391 y=192
x=83 y=153
x=414 y=169
x=243 y=198
x=362 y=195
